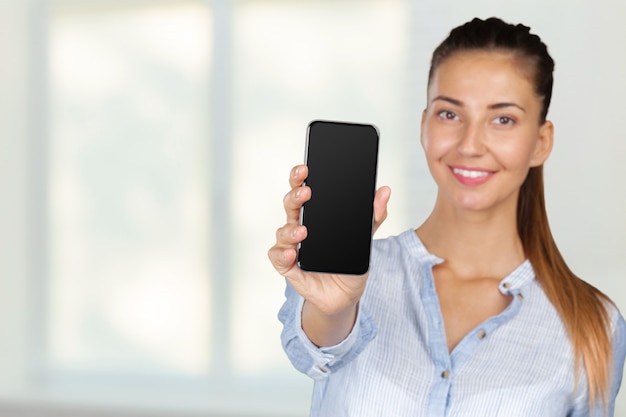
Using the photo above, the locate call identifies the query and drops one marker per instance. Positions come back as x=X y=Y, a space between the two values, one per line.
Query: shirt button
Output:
x=506 y=285
x=322 y=369
x=445 y=374
x=481 y=334
x=520 y=296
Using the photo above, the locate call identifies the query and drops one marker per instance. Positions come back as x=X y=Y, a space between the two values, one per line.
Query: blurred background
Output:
x=144 y=152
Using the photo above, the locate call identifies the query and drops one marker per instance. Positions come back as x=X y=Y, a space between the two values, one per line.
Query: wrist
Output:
x=325 y=329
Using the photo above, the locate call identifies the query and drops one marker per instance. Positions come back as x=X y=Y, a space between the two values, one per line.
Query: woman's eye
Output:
x=503 y=120
x=447 y=115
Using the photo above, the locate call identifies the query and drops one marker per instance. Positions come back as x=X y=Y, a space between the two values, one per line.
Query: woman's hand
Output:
x=331 y=299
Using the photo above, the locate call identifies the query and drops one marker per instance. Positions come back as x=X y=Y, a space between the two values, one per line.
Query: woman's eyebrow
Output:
x=503 y=105
x=448 y=99
x=490 y=107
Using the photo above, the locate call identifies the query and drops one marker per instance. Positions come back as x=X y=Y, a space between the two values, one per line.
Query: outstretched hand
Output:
x=331 y=294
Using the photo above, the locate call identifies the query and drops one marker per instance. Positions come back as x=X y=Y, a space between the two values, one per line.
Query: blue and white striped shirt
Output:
x=396 y=362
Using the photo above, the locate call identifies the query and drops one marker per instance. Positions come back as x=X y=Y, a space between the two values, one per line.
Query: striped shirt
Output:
x=396 y=362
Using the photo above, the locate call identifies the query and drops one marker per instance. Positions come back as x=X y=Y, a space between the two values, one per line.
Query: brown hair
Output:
x=582 y=307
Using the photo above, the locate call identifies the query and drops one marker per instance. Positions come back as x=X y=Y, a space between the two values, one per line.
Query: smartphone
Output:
x=342 y=161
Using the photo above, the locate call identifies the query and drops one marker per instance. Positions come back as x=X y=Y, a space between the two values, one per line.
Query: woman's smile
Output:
x=481 y=131
x=471 y=176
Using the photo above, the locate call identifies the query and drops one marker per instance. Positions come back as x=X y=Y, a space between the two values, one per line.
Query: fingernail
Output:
x=298 y=194
x=295 y=173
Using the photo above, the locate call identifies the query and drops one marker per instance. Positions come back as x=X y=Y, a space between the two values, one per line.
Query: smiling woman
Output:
x=143 y=150
x=475 y=312
x=482 y=124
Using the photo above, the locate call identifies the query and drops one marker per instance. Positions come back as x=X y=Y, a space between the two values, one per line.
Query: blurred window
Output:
x=173 y=126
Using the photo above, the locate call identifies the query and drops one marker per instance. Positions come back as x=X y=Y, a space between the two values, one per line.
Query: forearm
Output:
x=325 y=330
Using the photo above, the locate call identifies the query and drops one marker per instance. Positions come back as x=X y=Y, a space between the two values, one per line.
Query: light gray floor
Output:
x=22 y=410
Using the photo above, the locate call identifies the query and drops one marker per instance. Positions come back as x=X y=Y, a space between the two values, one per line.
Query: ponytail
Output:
x=580 y=305
x=582 y=308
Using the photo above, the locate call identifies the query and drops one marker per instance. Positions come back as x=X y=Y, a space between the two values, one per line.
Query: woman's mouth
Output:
x=471 y=176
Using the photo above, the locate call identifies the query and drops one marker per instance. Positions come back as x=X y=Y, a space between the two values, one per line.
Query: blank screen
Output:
x=341 y=158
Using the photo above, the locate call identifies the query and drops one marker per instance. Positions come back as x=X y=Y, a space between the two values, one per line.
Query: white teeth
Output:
x=469 y=174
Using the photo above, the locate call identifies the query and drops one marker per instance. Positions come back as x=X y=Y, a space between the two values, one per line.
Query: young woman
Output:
x=474 y=313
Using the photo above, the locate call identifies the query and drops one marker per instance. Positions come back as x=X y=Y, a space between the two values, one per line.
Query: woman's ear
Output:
x=422 y=127
x=543 y=147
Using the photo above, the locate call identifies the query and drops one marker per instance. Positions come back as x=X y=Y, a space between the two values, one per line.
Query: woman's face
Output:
x=481 y=131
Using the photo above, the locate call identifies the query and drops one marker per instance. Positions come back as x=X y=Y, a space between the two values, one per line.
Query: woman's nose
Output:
x=471 y=142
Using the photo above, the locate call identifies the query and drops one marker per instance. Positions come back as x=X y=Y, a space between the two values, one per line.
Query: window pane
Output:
x=298 y=61
x=128 y=189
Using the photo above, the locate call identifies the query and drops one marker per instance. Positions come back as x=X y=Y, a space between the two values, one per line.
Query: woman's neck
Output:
x=474 y=243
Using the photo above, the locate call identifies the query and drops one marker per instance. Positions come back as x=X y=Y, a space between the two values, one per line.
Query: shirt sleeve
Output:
x=619 y=354
x=319 y=363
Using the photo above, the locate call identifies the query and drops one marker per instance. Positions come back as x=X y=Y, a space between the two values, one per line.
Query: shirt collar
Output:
x=416 y=248
x=522 y=275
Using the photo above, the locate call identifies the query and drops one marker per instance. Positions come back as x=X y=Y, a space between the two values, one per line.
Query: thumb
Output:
x=381 y=198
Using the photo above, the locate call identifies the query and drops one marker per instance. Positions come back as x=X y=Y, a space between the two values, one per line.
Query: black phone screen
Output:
x=342 y=162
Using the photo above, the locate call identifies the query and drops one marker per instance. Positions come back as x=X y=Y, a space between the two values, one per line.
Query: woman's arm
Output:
x=329 y=310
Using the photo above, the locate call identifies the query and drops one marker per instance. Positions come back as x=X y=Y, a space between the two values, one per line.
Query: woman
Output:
x=474 y=313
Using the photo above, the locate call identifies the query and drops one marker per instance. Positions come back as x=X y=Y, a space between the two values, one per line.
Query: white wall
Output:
x=14 y=133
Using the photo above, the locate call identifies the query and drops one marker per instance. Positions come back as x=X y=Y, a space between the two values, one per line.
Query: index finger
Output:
x=298 y=175
x=293 y=202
